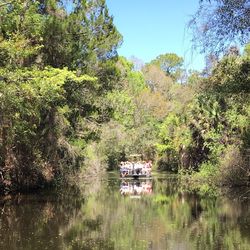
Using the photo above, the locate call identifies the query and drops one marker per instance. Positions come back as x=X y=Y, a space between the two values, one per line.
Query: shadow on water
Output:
x=109 y=213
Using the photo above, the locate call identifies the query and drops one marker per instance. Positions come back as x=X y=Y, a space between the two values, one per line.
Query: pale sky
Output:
x=154 y=27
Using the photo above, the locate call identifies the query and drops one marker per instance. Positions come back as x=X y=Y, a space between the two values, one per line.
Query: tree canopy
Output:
x=46 y=33
x=170 y=63
x=219 y=24
x=49 y=107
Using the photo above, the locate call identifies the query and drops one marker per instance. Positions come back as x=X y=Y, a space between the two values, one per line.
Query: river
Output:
x=108 y=213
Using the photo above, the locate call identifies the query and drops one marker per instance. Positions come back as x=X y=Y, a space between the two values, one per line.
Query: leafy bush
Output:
x=38 y=131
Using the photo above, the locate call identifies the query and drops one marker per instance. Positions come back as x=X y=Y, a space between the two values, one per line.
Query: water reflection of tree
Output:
x=35 y=222
x=168 y=219
x=99 y=217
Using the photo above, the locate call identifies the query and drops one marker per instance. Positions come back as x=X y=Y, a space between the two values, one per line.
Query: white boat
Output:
x=135 y=169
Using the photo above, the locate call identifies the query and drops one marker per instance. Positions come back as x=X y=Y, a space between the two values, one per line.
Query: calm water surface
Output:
x=109 y=213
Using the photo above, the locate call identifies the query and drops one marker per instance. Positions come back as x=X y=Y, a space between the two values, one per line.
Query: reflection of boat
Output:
x=136 y=188
x=135 y=176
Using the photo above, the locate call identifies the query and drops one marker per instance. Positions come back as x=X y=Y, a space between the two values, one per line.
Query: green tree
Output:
x=50 y=111
x=46 y=33
x=169 y=63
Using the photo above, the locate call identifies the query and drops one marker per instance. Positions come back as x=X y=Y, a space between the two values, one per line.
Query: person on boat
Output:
x=148 y=167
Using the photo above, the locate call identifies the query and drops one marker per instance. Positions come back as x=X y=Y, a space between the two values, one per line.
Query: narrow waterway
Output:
x=109 y=213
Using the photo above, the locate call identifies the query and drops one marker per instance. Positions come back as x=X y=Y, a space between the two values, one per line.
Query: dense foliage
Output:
x=49 y=106
x=200 y=126
x=70 y=105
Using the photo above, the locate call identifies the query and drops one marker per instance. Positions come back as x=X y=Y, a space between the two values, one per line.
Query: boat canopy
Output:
x=135 y=156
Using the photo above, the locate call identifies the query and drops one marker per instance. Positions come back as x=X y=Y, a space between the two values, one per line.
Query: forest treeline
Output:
x=70 y=105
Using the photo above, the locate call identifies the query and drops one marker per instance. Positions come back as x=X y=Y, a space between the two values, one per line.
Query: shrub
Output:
x=233 y=170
